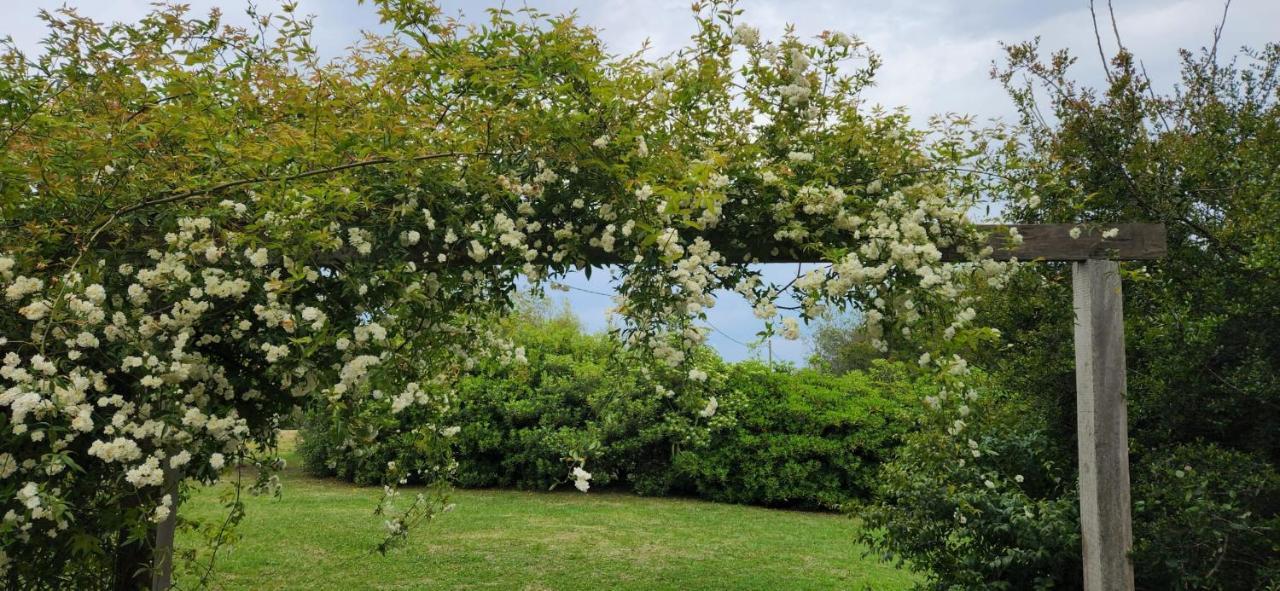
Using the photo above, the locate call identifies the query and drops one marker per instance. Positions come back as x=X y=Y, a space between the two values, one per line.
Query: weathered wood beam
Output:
x=1040 y=242
x=1053 y=242
x=1101 y=422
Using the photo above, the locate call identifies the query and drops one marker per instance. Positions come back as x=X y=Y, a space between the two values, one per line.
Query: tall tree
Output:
x=1202 y=340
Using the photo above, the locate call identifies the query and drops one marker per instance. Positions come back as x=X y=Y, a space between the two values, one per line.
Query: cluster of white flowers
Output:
x=257 y=258
x=746 y=35
x=361 y=240
x=163 y=510
x=22 y=286
x=120 y=449
x=412 y=394
x=709 y=410
x=581 y=478
x=790 y=329
x=795 y=64
x=841 y=39
x=155 y=317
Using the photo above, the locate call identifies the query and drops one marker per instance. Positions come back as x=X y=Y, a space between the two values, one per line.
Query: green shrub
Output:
x=990 y=509
x=799 y=438
x=578 y=398
x=780 y=437
x=317 y=447
x=1206 y=518
x=419 y=455
x=1004 y=513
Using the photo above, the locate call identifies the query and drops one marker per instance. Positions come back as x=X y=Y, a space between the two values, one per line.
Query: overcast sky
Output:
x=937 y=55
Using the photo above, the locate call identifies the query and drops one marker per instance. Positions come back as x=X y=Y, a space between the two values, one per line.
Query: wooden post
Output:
x=162 y=556
x=1105 y=522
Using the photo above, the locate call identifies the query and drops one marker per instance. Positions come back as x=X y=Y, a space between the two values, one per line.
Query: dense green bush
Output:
x=995 y=509
x=778 y=437
x=409 y=455
x=1206 y=518
x=799 y=438
x=578 y=399
x=1001 y=511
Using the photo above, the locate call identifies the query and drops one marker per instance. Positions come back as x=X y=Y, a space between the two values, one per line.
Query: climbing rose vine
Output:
x=203 y=227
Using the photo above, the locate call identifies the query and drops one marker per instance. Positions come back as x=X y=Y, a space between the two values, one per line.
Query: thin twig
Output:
x=1217 y=35
x=220 y=539
x=1115 y=27
x=1102 y=54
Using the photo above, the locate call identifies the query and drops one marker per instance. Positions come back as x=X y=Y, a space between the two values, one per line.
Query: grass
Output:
x=320 y=536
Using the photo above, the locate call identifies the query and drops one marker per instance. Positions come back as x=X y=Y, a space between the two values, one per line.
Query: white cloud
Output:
x=937 y=52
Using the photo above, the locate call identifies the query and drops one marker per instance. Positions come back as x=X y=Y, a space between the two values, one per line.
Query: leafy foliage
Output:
x=1203 y=160
x=777 y=436
x=577 y=398
x=1201 y=340
x=1206 y=518
x=995 y=509
x=801 y=438
x=1002 y=511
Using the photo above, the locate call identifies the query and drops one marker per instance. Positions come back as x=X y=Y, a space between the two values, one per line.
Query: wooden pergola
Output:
x=1105 y=521
x=1106 y=525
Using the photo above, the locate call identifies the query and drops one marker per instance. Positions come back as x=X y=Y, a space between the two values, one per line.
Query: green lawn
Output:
x=320 y=536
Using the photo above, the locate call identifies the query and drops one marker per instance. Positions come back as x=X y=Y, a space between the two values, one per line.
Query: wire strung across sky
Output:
x=567 y=287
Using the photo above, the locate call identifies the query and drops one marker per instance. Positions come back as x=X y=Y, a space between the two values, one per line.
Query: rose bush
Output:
x=204 y=226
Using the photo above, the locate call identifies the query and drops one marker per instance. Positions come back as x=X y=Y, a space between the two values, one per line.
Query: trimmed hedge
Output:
x=780 y=437
x=800 y=438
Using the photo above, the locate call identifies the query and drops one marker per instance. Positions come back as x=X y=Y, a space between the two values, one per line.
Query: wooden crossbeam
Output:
x=1054 y=242
x=1040 y=242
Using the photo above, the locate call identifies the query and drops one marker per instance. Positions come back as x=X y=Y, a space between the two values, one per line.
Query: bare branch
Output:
x=1217 y=34
x=1115 y=28
x=1102 y=54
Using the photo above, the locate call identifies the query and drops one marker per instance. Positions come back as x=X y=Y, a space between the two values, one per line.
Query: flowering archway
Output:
x=204 y=227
